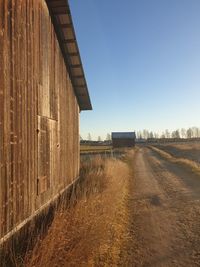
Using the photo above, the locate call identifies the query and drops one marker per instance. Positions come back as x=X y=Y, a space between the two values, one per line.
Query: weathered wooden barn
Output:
x=42 y=91
x=123 y=139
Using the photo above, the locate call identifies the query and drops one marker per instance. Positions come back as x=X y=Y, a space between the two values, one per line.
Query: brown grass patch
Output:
x=183 y=150
x=185 y=146
x=93 y=230
x=92 y=149
x=194 y=166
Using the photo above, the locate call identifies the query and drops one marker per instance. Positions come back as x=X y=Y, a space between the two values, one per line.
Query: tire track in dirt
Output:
x=164 y=213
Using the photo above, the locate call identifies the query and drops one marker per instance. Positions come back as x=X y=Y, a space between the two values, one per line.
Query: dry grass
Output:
x=190 y=150
x=93 y=149
x=93 y=230
x=194 y=166
x=185 y=146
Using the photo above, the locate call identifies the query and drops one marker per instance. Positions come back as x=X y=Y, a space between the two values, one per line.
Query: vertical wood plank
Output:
x=39 y=140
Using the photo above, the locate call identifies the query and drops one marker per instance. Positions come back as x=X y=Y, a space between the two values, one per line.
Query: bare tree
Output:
x=139 y=135
x=151 y=135
x=195 y=132
x=198 y=132
x=183 y=133
x=163 y=135
x=108 y=137
x=167 y=133
x=156 y=135
x=145 y=134
x=89 y=137
x=176 y=134
x=189 y=133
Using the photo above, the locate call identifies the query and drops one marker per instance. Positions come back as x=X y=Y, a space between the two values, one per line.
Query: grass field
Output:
x=189 y=151
x=84 y=149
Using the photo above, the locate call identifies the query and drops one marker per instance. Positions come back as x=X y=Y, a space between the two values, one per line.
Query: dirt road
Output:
x=165 y=224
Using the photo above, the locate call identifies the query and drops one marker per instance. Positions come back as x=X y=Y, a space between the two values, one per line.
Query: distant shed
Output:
x=42 y=91
x=123 y=139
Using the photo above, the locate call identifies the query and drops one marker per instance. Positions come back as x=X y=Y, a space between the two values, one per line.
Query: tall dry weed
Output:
x=92 y=231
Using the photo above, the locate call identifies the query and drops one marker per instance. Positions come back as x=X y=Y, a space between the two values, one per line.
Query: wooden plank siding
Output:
x=116 y=143
x=39 y=113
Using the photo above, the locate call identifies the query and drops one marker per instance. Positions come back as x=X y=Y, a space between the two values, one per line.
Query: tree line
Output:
x=192 y=132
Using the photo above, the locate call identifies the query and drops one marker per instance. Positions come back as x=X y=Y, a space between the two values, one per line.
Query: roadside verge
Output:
x=192 y=165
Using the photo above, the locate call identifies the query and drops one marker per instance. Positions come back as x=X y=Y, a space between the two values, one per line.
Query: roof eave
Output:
x=62 y=20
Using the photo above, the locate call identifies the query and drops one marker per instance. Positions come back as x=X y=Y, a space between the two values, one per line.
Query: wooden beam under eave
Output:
x=75 y=54
x=76 y=66
x=69 y=41
x=60 y=12
x=65 y=26
x=78 y=77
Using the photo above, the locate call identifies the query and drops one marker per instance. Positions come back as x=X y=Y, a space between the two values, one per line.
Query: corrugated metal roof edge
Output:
x=83 y=106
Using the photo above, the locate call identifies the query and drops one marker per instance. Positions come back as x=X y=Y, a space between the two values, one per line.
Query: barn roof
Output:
x=123 y=135
x=62 y=20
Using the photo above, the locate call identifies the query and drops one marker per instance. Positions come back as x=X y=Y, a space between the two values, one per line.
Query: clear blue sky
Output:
x=142 y=63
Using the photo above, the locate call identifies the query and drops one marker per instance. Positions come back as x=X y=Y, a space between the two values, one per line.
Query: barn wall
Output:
x=39 y=113
x=123 y=142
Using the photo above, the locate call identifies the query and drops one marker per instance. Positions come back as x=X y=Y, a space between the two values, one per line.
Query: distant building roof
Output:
x=123 y=135
x=63 y=24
